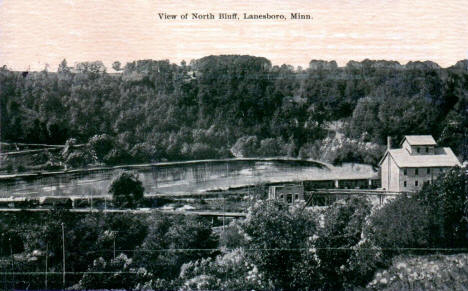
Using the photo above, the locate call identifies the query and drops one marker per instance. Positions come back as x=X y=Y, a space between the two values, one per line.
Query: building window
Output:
x=296 y=197
x=427 y=149
x=404 y=184
x=418 y=149
x=416 y=183
x=405 y=172
x=428 y=170
x=416 y=172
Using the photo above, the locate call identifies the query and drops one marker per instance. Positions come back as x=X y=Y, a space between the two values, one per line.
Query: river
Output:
x=177 y=178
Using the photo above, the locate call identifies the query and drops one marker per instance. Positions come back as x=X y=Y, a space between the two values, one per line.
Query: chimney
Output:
x=389 y=143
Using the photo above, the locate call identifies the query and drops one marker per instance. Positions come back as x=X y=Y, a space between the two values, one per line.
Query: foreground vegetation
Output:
x=222 y=106
x=275 y=247
x=431 y=272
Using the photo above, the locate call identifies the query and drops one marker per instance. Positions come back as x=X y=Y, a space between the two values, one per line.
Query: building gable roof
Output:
x=419 y=140
x=443 y=157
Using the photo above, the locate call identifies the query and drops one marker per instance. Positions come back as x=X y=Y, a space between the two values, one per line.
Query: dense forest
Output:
x=222 y=106
x=339 y=247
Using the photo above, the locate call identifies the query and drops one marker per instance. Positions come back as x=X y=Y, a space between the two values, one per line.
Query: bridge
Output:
x=316 y=197
x=134 y=211
x=325 y=196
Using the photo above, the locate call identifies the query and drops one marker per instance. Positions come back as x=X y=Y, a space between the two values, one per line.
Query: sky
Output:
x=40 y=32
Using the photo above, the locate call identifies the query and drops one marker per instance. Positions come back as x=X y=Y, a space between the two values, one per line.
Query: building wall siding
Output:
x=393 y=178
x=422 y=177
x=394 y=175
x=384 y=170
x=390 y=174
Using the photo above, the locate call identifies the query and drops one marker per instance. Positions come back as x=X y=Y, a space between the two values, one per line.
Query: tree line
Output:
x=220 y=106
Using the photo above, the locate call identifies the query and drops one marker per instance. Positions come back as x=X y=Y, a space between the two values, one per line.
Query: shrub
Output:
x=245 y=146
x=143 y=153
x=78 y=159
x=201 y=151
x=175 y=232
x=229 y=271
x=41 y=158
x=70 y=145
x=101 y=145
x=117 y=156
x=434 y=272
x=127 y=190
x=73 y=156
x=341 y=232
x=402 y=223
x=358 y=152
x=365 y=259
x=232 y=237
x=280 y=235
x=116 y=273
x=446 y=200
x=271 y=147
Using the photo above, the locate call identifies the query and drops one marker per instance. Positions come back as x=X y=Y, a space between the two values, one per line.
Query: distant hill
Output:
x=202 y=109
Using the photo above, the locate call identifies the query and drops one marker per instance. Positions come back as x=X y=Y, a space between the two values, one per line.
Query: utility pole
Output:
x=63 y=255
x=224 y=209
x=46 y=259
x=1 y=255
x=12 y=264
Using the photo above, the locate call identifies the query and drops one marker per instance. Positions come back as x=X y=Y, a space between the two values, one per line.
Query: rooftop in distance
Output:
x=419 y=140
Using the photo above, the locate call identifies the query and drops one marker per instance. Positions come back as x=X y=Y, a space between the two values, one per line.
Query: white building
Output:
x=418 y=161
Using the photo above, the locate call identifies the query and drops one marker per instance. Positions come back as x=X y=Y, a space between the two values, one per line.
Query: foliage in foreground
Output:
x=276 y=247
x=447 y=204
x=433 y=272
x=436 y=217
x=277 y=239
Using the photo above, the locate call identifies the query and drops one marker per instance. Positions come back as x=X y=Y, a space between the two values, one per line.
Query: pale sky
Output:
x=38 y=32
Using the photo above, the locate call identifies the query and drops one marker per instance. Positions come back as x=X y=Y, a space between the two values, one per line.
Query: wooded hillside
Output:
x=156 y=110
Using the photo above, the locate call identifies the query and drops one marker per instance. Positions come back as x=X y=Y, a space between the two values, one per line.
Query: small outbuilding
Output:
x=289 y=193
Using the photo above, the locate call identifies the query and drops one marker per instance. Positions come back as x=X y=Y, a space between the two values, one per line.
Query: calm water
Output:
x=193 y=178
